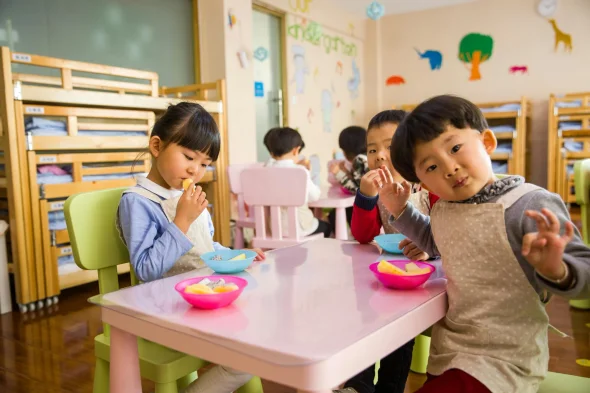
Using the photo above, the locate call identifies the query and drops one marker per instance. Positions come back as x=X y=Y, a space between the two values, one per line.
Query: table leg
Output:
x=124 y=367
x=341 y=230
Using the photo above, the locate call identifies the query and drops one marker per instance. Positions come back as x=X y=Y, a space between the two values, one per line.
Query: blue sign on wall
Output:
x=258 y=89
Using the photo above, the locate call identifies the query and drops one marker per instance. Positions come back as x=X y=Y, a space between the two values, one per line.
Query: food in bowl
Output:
x=218 y=257
x=208 y=287
x=411 y=269
x=186 y=183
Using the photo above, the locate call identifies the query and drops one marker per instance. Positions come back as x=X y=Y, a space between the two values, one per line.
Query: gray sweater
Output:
x=416 y=227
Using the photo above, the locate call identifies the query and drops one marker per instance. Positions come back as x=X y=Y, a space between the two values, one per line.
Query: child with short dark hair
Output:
x=348 y=173
x=284 y=145
x=369 y=216
x=505 y=245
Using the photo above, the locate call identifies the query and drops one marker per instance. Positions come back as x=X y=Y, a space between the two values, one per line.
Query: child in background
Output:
x=348 y=173
x=501 y=245
x=369 y=215
x=165 y=229
x=284 y=145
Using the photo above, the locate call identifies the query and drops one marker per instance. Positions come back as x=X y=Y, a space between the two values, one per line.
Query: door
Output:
x=268 y=74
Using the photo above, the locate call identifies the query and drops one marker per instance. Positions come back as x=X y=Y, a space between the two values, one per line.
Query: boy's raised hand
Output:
x=368 y=187
x=393 y=195
x=544 y=249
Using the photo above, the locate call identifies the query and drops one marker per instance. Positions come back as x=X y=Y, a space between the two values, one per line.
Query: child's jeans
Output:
x=393 y=373
x=218 y=380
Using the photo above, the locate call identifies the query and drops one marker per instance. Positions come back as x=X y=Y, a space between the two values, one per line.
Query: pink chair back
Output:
x=273 y=189
x=234 y=173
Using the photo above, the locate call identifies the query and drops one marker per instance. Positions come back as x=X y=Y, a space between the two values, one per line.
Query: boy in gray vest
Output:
x=505 y=246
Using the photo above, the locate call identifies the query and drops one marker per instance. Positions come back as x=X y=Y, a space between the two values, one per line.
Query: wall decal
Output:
x=375 y=10
x=309 y=115
x=300 y=68
x=560 y=36
x=231 y=19
x=300 y=5
x=474 y=49
x=434 y=58
x=313 y=34
x=327 y=106
x=260 y=53
x=339 y=67
x=354 y=82
x=522 y=69
x=395 y=80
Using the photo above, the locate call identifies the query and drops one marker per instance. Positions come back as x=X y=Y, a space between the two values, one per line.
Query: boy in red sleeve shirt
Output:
x=368 y=216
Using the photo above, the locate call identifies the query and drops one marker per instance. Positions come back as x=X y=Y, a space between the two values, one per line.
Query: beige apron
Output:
x=198 y=233
x=496 y=326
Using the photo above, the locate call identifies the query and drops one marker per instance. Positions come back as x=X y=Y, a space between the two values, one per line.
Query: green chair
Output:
x=582 y=185
x=421 y=352
x=563 y=383
x=96 y=245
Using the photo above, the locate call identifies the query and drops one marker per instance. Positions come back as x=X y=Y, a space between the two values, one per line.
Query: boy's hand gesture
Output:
x=544 y=249
x=368 y=187
x=393 y=195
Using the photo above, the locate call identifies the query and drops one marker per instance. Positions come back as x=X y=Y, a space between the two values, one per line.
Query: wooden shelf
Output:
x=505 y=135
x=54 y=95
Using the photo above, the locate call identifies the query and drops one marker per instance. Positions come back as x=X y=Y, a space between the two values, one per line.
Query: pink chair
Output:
x=235 y=186
x=270 y=189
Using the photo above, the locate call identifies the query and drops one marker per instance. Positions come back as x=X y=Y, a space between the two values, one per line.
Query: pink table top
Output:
x=333 y=197
x=304 y=304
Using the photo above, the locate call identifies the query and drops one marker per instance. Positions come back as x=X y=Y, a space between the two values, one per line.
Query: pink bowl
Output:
x=211 y=302
x=402 y=282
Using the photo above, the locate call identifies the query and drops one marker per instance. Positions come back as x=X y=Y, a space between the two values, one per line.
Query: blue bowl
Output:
x=225 y=266
x=390 y=243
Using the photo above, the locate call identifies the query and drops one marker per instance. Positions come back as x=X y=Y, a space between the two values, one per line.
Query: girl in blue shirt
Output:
x=167 y=229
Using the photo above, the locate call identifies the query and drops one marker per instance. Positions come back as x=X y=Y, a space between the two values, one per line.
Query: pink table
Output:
x=312 y=316
x=334 y=197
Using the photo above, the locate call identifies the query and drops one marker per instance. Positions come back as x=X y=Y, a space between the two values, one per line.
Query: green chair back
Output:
x=582 y=185
x=95 y=241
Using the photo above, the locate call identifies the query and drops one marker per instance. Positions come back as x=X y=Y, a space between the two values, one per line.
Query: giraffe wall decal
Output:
x=560 y=36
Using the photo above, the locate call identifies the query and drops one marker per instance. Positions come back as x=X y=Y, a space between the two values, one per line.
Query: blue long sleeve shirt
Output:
x=154 y=243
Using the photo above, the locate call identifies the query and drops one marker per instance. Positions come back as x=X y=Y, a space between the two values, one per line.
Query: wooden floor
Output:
x=51 y=350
